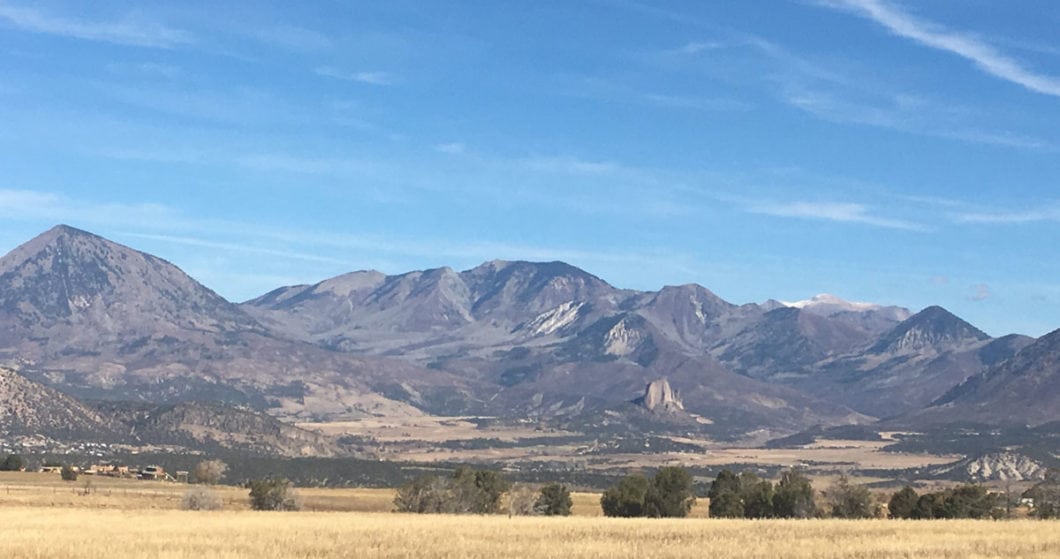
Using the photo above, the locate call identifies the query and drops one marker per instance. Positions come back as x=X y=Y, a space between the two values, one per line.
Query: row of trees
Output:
x=748 y=496
x=963 y=501
x=469 y=491
x=668 y=494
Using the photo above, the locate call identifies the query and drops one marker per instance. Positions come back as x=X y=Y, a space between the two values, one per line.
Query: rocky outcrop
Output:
x=659 y=397
x=996 y=466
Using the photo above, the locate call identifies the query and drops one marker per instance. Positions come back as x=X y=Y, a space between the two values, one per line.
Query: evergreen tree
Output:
x=757 y=497
x=670 y=494
x=627 y=497
x=903 y=503
x=68 y=473
x=724 y=494
x=13 y=463
x=793 y=497
x=554 y=500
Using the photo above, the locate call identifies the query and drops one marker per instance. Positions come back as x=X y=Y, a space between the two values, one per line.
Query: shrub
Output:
x=466 y=492
x=746 y=496
x=928 y=506
x=88 y=488
x=489 y=488
x=273 y=494
x=1046 y=495
x=68 y=473
x=201 y=498
x=13 y=463
x=969 y=501
x=474 y=492
x=554 y=500
x=963 y=501
x=849 y=500
x=521 y=501
x=903 y=503
x=627 y=498
x=424 y=494
x=210 y=472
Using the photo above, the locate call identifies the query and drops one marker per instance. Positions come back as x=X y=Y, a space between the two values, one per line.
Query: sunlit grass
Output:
x=77 y=533
x=43 y=517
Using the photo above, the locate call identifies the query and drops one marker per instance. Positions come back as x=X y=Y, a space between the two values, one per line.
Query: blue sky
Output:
x=902 y=153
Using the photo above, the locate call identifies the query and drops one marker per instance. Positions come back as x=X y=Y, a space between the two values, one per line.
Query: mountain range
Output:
x=93 y=319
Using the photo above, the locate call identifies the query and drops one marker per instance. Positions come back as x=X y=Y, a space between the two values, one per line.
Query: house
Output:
x=111 y=470
x=153 y=472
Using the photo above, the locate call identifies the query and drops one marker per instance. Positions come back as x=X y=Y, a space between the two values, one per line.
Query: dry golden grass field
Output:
x=76 y=533
x=43 y=517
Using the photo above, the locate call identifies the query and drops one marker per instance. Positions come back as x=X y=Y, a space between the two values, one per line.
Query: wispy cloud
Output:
x=145 y=69
x=166 y=224
x=984 y=55
x=452 y=148
x=1014 y=217
x=980 y=292
x=237 y=247
x=130 y=31
x=293 y=38
x=569 y=165
x=605 y=89
x=842 y=212
x=23 y=205
x=846 y=97
x=839 y=90
x=305 y=165
x=902 y=113
x=696 y=103
x=696 y=47
x=371 y=78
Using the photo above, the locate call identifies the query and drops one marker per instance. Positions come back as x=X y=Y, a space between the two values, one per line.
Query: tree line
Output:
x=469 y=491
x=670 y=493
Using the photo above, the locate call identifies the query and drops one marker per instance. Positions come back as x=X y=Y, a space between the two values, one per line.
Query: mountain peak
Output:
x=66 y=273
x=932 y=327
x=65 y=229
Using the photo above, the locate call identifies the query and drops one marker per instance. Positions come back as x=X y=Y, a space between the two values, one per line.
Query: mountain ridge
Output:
x=506 y=338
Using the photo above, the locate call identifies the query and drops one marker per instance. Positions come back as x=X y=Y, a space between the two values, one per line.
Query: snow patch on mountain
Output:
x=831 y=304
x=554 y=319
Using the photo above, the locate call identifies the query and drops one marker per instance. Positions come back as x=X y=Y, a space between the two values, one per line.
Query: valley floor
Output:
x=95 y=518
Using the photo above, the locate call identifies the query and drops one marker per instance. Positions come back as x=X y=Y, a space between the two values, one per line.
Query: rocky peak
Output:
x=66 y=274
x=522 y=290
x=932 y=328
x=659 y=397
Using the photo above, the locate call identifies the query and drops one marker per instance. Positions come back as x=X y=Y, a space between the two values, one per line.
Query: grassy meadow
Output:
x=72 y=533
x=44 y=517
